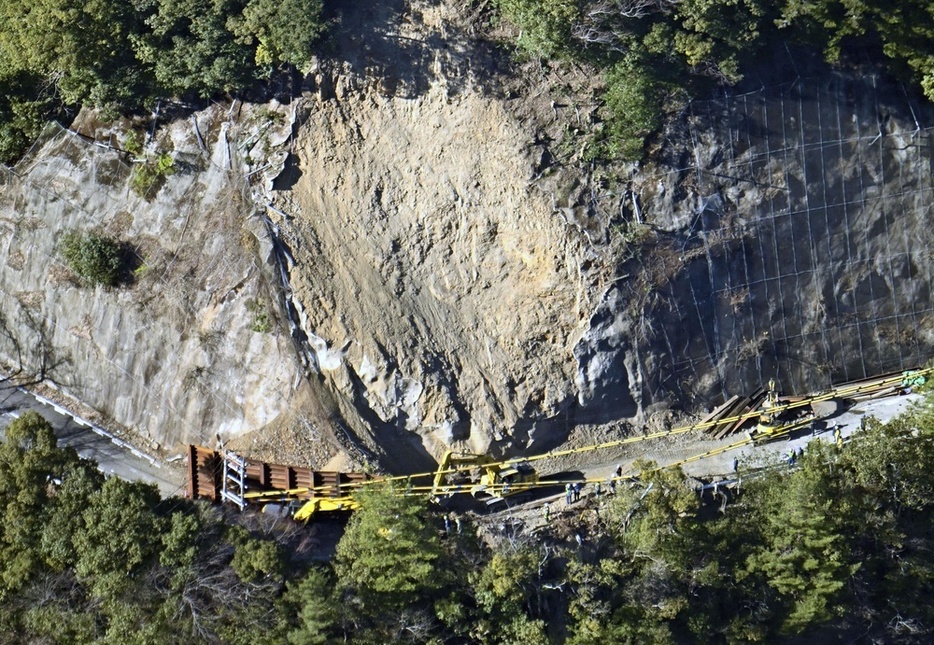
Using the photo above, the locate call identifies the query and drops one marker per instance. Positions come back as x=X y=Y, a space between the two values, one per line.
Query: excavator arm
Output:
x=452 y=462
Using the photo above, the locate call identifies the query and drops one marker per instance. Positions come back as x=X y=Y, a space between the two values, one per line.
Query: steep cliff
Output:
x=193 y=349
x=446 y=288
x=413 y=251
x=789 y=238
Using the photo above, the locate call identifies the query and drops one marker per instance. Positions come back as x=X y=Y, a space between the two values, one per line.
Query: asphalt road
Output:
x=124 y=462
x=112 y=458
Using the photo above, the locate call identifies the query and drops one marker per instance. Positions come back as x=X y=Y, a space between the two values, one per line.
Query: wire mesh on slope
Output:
x=826 y=277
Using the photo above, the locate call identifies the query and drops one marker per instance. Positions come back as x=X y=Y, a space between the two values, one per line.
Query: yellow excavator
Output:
x=498 y=480
x=772 y=421
x=325 y=504
x=297 y=504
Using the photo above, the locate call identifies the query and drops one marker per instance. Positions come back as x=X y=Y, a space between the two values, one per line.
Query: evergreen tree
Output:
x=388 y=562
x=806 y=553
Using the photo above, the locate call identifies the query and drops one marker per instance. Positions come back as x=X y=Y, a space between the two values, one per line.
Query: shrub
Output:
x=95 y=258
x=262 y=323
x=149 y=175
x=133 y=143
x=544 y=25
x=634 y=102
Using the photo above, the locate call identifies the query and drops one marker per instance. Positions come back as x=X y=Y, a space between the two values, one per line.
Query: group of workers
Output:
x=572 y=491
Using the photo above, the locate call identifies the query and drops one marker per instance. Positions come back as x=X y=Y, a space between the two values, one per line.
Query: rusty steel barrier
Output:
x=263 y=482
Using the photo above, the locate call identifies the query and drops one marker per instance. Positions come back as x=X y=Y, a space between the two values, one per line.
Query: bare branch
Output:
x=607 y=22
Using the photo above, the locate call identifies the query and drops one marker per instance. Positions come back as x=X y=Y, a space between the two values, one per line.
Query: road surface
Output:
x=884 y=409
x=112 y=458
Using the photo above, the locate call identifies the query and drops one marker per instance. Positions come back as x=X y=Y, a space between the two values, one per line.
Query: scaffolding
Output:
x=233 y=484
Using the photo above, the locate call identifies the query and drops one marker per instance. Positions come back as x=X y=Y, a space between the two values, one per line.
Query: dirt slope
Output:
x=446 y=289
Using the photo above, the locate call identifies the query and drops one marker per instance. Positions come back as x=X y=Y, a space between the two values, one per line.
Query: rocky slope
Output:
x=192 y=350
x=447 y=291
x=412 y=252
x=791 y=238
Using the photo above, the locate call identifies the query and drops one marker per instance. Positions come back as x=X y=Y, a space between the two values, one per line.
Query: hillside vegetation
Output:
x=121 y=55
x=654 y=53
x=840 y=544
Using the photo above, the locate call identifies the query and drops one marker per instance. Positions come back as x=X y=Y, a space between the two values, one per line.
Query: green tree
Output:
x=120 y=535
x=180 y=541
x=713 y=35
x=634 y=98
x=544 y=25
x=891 y=462
x=313 y=603
x=283 y=31
x=149 y=173
x=653 y=518
x=388 y=558
x=507 y=591
x=806 y=555
x=80 y=481
x=594 y=595
x=22 y=113
x=889 y=477
x=255 y=559
x=657 y=529
x=95 y=258
x=903 y=28
x=30 y=464
x=83 y=49
x=58 y=625
x=190 y=49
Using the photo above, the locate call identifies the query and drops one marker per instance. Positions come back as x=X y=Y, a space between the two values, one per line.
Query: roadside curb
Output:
x=94 y=428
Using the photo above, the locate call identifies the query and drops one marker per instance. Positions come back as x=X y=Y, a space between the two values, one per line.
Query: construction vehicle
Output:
x=224 y=477
x=775 y=417
x=328 y=505
x=498 y=480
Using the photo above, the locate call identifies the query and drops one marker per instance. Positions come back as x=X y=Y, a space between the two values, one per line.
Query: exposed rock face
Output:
x=192 y=349
x=783 y=234
x=451 y=278
x=449 y=292
x=793 y=241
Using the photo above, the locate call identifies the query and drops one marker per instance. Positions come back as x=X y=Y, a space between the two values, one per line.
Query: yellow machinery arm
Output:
x=325 y=504
x=499 y=479
x=452 y=462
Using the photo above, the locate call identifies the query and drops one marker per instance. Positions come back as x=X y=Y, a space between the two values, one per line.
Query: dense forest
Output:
x=121 y=55
x=838 y=545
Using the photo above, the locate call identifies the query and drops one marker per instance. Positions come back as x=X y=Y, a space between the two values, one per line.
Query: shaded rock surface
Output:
x=792 y=240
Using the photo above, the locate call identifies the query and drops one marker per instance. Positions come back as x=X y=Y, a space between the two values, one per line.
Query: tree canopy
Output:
x=838 y=545
x=653 y=51
x=119 y=54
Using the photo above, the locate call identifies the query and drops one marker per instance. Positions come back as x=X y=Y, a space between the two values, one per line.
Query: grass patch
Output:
x=149 y=175
x=262 y=321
